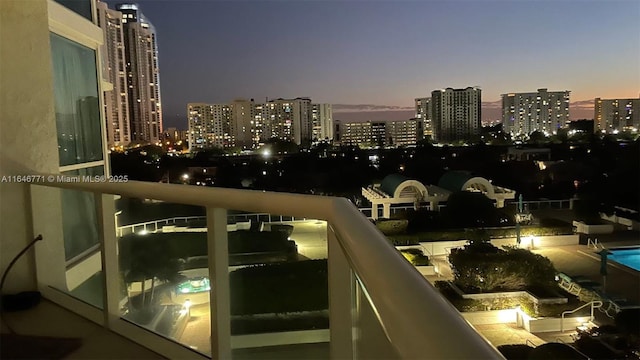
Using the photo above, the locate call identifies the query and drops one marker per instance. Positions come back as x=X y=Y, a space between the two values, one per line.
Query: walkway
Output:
x=508 y=334
x=569 y=260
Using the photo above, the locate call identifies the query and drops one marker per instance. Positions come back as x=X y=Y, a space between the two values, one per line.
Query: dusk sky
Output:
x=388 y=53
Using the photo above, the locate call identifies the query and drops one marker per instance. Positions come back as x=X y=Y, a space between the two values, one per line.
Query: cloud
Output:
x=492 y=104
x=491 y=111
x=582 y=104
x=345 y=108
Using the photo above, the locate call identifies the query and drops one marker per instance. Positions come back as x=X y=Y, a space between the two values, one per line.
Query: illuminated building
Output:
x=613 y=115
x=143 y=75
x=456 y=114
x=116 y=101
x=544 y=111
x=423 y=112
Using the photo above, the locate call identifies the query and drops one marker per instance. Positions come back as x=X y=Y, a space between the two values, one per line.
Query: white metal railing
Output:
x=545 y=204
x=378 y=302
x=530 y=343
x=594 y=243
x=596 y=304
x=155 y=225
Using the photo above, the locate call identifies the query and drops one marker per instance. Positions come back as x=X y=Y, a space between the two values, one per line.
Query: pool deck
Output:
x=583 y=260
x=571 y=260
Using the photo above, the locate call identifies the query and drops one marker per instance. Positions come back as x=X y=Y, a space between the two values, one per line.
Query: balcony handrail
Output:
x=418 y=321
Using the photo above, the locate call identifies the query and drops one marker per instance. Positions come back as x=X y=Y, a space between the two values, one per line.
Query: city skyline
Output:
x=386 y=54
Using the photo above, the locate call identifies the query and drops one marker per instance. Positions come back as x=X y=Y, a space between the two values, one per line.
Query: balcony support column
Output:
x=219 y=276
x=341 y=300
x=106 y=208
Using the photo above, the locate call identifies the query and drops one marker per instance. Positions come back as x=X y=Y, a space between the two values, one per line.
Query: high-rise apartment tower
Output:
x=544 y=111
x=612 y=115
x=116 y=99
x=143 y=75
x=455 y=114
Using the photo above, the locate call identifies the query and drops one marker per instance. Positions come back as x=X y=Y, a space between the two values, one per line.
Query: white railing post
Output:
x=341 y=300
x=219 y=276
x=105 y=206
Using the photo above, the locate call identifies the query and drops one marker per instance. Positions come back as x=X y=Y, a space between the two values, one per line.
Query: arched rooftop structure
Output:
x=399 y=189
x=399 y=186
x=464 y=181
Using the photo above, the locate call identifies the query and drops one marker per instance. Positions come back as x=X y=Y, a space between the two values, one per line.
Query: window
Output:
x=80 y=7
x=77 y=105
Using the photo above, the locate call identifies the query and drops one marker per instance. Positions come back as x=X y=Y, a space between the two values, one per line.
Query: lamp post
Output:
x=518 y=219
x=603 y=268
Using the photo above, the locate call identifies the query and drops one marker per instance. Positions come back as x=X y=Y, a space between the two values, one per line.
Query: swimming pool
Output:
x=626 y=256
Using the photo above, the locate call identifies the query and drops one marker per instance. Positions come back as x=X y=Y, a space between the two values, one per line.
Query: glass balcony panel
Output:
x=278 y=286
x=163 y=257
x=79 y=217
x=81 y=240
x=370 y=341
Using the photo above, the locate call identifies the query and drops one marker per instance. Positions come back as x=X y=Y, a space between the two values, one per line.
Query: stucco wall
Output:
x=490 y=317
x=27 y=127
x=593 y=229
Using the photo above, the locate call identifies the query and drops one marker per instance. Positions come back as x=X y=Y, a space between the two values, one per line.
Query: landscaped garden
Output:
x=481 y=268
x=464 y=211
x=265 y=297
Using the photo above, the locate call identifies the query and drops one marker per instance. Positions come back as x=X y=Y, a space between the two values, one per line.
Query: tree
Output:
x=561 y=136
x=148 y=257
x=483 y=267
x=537 y=137
x=469 y=209
x=501 y=138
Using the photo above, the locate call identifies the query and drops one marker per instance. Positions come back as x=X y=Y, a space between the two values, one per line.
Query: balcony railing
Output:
x=379 y=305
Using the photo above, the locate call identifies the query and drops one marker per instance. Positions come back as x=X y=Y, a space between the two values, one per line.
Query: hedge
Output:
x=241 y=325
x=416 y=257
x=280 y=288
x=462 y=234
x=392 y=227
x=193 y=244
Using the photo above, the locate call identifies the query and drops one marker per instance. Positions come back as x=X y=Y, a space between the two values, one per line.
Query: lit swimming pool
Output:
x=629 y=257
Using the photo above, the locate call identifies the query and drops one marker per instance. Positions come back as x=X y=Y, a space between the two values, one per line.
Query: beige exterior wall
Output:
x=28 y=127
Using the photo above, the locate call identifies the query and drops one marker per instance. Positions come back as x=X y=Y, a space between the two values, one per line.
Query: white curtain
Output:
x=76 y=102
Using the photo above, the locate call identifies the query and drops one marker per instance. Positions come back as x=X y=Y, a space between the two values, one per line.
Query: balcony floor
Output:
x=48 y=319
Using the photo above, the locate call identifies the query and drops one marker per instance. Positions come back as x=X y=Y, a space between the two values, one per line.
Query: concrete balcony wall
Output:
x=28 y=127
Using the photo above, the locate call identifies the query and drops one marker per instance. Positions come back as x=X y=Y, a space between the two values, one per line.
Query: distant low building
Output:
x=528 y=154
x=173 y=134
x=404 y=132
x=246 y=124
x=369 y=133
x=379 y=133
